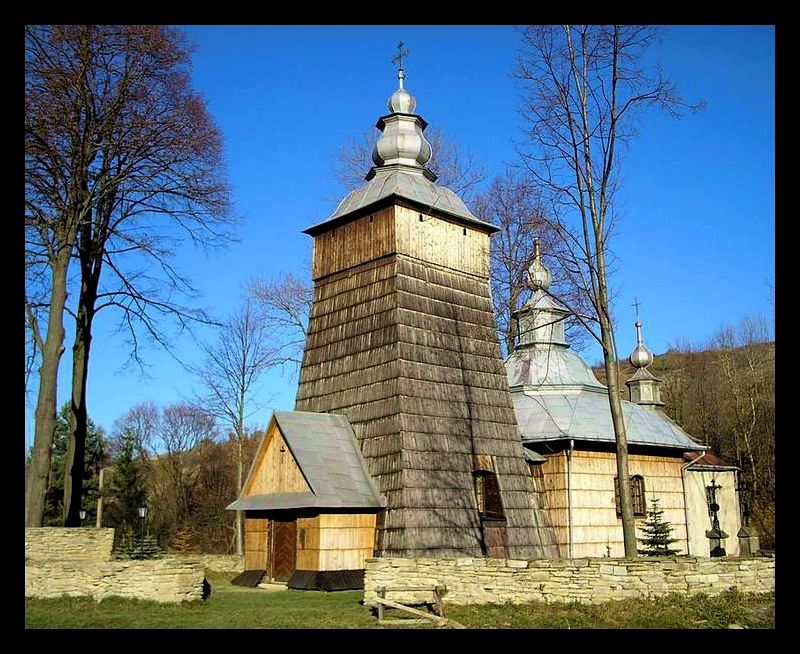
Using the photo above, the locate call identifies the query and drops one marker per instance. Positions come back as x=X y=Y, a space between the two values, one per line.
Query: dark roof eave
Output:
x=276 y=503
x=578 y=439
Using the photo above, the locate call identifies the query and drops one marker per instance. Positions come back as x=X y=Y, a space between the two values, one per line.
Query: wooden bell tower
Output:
x=401 y=340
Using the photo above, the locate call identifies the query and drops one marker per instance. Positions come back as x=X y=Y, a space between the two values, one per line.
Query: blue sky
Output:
x=695 y=240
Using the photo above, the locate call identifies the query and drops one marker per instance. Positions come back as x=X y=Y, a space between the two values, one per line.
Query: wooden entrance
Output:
x=282 y=562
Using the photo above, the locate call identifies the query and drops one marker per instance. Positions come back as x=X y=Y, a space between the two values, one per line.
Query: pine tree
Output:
x=94 y=457
x=657 y=533
x=126 y=494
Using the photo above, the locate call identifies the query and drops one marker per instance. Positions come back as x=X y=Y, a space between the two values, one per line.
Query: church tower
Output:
x=644 y=385
x=401 y=340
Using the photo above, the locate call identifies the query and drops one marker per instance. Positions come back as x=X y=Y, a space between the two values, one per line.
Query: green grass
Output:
x=228 y=607
x=236 y=607
x=669 y=612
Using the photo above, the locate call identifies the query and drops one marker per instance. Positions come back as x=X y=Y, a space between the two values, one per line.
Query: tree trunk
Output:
x=45 y=414
x=621 y=438
x=615 y=404
x=78 y=421
x=240 y=482
x=76 y=445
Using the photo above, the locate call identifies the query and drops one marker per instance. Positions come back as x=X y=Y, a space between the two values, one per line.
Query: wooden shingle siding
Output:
x=401 y=340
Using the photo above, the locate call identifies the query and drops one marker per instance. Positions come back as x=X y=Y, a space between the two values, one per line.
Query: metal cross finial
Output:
x=398 y=58
x=636 y=304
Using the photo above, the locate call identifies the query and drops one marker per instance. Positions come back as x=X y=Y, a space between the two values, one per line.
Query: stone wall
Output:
x=56 y=542
x=162 y=580
x=217 y=562
x=501 y=581
x=77 y=562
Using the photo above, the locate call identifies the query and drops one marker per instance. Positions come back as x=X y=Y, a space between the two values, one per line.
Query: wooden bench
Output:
x=434 y=604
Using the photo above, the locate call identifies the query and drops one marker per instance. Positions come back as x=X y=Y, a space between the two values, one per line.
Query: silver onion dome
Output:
x=641 y=357
x=538 y=274
x=401 y=102
x=402 y=141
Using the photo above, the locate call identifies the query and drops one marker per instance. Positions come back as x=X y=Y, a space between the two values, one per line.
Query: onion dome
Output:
x=538 y=274
x=401 y=141
x=401 y=102
x=641 y=357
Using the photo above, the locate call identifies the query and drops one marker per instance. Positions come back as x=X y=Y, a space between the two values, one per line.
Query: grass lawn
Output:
x=233 y=606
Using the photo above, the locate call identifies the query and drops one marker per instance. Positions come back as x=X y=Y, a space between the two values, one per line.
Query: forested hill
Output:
x=725 y=397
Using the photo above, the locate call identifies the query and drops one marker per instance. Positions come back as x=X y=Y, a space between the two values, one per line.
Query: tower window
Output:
x=370 y=218
x=464 y=231
x=487 y=494
x=420 y=217
x=637 y=496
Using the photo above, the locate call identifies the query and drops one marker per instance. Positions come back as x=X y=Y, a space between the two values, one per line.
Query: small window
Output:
x=420 y=217
x=487 y=494
x=464 y=231
x=637 y=496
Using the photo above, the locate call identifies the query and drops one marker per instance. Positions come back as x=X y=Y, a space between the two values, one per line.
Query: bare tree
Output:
x=284 y=303
x=583 y=85
x=183 y=427
x=152 y=176
x=456 y=169
x=140 y=425
x=233 y=365
x=58 y=151
x=514 y=203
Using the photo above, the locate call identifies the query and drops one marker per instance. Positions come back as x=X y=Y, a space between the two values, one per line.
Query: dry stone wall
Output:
x=78 y=562
x=217 y=562
x=50 y=543
x=502 y=581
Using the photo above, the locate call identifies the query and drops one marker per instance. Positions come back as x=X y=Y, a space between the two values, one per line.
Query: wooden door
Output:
x=283 y=549
x=255 y=543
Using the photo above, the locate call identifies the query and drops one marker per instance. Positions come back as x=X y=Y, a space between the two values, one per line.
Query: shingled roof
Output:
x=327 y=453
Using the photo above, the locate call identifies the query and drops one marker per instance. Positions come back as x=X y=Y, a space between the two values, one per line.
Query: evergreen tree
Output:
x=657 y=533
x=127 y=492
x=94 y=456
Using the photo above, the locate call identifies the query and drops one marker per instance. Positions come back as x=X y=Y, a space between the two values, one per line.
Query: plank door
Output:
x=283 y=549
x=255 y=543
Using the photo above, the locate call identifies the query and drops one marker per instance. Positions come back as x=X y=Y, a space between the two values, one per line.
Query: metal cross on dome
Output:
x=636 y=304
x=398 y=58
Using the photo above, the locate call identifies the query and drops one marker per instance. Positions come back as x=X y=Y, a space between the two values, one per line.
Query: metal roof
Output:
x=550 y=415
x=709 y=462
x=327 y=452
x=405 y=183
x=542 y=365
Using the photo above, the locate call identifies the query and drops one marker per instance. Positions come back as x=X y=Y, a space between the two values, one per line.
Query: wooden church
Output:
x=564 y=416
x=401 y=348
x=408 y=430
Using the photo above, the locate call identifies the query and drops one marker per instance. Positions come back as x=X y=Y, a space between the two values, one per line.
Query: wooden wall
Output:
x=307 y=543
x=595 y=525
x=399 y=230
x=363 y=239
x=699 y=519
x=324 y=542
x=441 y=242
x=256 y=543
x=275 y=471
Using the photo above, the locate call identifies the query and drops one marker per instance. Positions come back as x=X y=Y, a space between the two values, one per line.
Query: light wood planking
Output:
x=256 y=555
x=595 y=524
x=275 y=471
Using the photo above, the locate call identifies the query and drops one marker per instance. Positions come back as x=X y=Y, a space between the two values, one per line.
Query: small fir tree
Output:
x=657 y=533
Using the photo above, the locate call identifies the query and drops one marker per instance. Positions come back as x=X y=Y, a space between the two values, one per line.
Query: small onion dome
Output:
x=538 y=274
x=641 y=357
x=401 y=141
x=401 y=102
